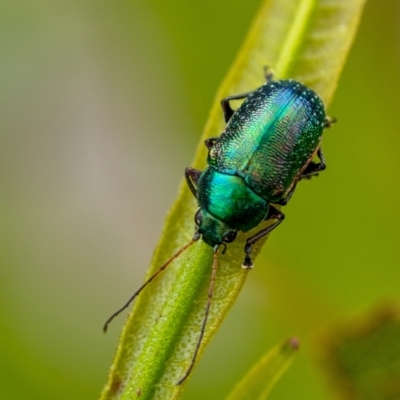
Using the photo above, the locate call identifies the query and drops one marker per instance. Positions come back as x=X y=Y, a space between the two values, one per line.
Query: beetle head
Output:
x=214 y=231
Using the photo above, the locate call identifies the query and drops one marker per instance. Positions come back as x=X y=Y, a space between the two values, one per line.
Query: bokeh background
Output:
x=102 y=105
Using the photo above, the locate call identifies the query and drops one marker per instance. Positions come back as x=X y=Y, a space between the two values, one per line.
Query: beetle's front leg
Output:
x=273 y=213
x=192 y=176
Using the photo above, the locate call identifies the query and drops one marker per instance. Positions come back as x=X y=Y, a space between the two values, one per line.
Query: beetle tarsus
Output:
x=329 y=121
x=247 y=262
x=269 y=73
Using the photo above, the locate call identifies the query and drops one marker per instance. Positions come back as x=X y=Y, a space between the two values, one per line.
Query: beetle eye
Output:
x=198 y=218
x=229 y=237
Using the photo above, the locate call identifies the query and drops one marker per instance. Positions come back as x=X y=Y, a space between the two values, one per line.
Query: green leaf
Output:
x=307 y=40
x=258 y=382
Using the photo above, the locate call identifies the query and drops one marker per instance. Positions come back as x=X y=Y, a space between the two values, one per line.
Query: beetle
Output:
x=268 y=146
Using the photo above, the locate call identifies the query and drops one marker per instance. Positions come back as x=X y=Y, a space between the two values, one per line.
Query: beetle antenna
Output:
x=162 y=268
x=205 y=318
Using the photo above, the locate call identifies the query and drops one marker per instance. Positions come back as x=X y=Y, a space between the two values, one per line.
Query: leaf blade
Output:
x=291 y=35
x=261 y=378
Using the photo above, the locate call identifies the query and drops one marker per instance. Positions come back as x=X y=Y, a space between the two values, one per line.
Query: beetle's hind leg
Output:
x=329 y=121
x=313 y=168
x=273 y=213
x=226 y=107
x=209 y=142
x=192 y=176
x=269 y=74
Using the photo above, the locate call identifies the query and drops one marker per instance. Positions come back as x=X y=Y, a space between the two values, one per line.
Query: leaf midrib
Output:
x=294 y=37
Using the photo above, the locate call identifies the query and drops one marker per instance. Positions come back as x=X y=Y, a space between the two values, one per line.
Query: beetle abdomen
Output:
x=271 y=138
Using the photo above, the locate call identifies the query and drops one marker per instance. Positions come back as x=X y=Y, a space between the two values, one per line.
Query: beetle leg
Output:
x=329 y=121
x=210 y=142
x=192 y=176
x=313 y=168
x=226 y=107
x=273 y=213
x=269 y=77
x=269 y=73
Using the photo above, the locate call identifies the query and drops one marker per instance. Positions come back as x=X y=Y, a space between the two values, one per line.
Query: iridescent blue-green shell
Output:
x=271 y=138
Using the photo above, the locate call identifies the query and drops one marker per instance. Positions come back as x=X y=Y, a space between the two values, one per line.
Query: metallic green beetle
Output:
x=268 y=146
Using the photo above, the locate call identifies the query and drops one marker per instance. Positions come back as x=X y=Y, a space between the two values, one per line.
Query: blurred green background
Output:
x=102 y=105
